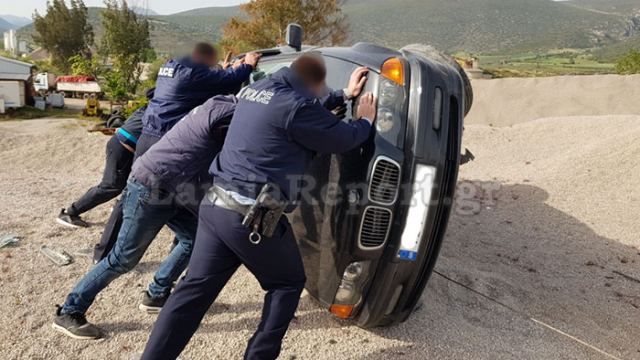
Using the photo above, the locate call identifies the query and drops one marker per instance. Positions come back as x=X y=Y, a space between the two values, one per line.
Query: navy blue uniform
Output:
x=181 y=86
x=275 y=130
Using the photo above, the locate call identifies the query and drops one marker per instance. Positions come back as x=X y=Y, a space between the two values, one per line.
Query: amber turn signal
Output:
x=393 y=69
x=341 y=311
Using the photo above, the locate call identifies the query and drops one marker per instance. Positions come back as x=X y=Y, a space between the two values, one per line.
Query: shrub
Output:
x=629 y=64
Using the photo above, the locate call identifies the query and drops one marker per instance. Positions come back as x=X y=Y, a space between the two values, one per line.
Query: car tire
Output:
x=431 y=53
x=115 y=121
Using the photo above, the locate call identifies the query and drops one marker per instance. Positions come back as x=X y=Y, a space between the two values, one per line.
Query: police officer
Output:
x=120 y=149
x=164 y=188
x=288 y=125
x=186 y=83
x=182 y=85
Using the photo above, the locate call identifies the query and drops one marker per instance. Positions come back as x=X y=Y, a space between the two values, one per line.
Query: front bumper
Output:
x=399 y=279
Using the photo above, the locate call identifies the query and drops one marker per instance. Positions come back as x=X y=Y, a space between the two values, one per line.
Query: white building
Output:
x=11 y=42
x=15 y=83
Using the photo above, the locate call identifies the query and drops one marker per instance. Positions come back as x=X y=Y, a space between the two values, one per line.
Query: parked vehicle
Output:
x=371 y=229
x=92 y=107
x=44 y=83
x=78 y=86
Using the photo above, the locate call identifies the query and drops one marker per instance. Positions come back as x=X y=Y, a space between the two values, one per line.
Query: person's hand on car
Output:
x=237 y=63
x=227 y=60
x=252 y=59
x=356 y=82
x=367 y=107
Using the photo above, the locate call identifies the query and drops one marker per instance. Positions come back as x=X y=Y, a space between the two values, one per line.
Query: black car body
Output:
x=371 y=226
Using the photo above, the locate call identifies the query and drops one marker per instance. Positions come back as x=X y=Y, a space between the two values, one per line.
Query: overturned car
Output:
x=371 y=222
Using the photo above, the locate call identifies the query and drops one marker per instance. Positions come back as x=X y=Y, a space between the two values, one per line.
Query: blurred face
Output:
x=319 y=90
x=209 y=61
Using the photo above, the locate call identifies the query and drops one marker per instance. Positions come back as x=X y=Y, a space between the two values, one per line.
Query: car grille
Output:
x=385 y=180
x=375 y=227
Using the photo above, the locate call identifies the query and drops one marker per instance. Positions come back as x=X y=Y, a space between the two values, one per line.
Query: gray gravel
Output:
x=559 y=243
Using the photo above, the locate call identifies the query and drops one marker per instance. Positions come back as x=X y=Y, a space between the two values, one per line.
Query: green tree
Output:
x=265 y=22
x=81 y=65
x=63 y=31
x=126 y=42
x=629 y=64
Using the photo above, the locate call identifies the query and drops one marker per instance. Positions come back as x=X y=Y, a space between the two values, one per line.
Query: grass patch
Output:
x=29 y=112
x=554 y=63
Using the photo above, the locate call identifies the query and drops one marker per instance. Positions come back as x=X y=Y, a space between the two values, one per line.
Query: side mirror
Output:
x=294 y=36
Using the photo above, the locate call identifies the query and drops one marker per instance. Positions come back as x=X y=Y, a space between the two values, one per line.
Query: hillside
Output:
x=167 y=37
x=612 y=6
x=207 y=19
x=612 y=52
x=480 y=26
x=17 y=21
x=5 y=25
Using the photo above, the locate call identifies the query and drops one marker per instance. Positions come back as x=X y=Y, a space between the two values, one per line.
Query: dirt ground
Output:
x=541 y=260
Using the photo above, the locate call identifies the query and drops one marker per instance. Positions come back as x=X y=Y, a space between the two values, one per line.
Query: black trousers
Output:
x=222 y=245
x=114 y=179
x=111 y=230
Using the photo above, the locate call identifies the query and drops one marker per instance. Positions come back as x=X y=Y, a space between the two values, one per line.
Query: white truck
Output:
x=44 y=82
x=69 y=86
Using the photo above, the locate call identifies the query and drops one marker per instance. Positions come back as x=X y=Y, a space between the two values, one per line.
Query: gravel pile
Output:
x=554 y=236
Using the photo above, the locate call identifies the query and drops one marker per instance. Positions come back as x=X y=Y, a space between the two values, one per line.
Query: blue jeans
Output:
x=145 y=213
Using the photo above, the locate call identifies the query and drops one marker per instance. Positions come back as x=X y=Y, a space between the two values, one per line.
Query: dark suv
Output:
x=371 y=226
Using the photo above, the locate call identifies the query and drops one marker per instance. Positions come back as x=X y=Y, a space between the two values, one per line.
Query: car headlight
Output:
x=389 y=122
x=389 y=93
x=384 y=121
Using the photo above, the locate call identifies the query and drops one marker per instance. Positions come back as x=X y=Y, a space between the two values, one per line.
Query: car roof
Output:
x=365 y=54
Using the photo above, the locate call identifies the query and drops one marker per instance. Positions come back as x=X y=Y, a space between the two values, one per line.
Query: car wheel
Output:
x=431 y=53
x=115 y=121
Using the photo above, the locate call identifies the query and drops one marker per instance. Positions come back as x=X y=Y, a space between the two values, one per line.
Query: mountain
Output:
x=142 y=11
x=479 y=26
x=16 y=21
x=167 y=37
x=5 y=25
x=207 y=19
x=610 y=6
x=482 y=25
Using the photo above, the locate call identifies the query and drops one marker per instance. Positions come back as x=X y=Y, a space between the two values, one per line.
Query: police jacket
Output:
x=181 y=86
x=129 y=132
x=277 y=127
x=183 y=156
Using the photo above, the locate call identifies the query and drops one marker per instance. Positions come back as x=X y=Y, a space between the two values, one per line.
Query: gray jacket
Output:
x=183 y=155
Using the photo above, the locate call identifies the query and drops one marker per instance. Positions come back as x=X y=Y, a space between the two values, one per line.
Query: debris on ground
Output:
x=9 y=239
x=85 y=252
x=60 y=258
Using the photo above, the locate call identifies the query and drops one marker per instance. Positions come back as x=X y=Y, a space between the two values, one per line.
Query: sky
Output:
x=26 y=7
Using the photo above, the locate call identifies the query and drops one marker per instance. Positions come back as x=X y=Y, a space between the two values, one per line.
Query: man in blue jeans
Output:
x=182 y=85
x=165 y=187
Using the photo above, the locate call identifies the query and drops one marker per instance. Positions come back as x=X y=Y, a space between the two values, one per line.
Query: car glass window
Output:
x=267 y=68
x=338 y=74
